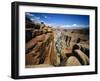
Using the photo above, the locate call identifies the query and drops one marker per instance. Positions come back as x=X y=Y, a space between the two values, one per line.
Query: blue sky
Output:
x=64 y=20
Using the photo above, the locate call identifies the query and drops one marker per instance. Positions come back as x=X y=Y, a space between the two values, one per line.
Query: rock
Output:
x=32 y=58
x=34 y=41
x=37 y=32
x=72 y=61
x=43 y=52
x=82 y=56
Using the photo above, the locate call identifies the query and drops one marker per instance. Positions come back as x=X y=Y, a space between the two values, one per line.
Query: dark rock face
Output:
x=28 y=35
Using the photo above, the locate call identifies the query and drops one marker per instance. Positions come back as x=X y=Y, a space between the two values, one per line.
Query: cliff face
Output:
x=40 y=49
x=42 y=52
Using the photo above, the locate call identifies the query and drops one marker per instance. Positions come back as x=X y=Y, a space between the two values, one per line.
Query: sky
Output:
x=61 y=20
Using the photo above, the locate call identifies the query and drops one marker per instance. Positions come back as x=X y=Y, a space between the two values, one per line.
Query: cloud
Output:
x=35 y=20
x=29 y=14
x=66 y=26
x=32 y=16
x=50 y=24
x=73 y=26
x=45 y=16
x=32 y=19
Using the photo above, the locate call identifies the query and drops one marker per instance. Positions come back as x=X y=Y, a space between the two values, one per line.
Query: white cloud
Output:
x=33 y=16
x=29 y=14
x=32 y=19
x=66 y=26
x=35 y=20
x=45 y=17
x=75 y=25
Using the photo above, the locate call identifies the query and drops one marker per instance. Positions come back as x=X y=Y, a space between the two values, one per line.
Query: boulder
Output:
x=82 y=56
x=72 y=61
